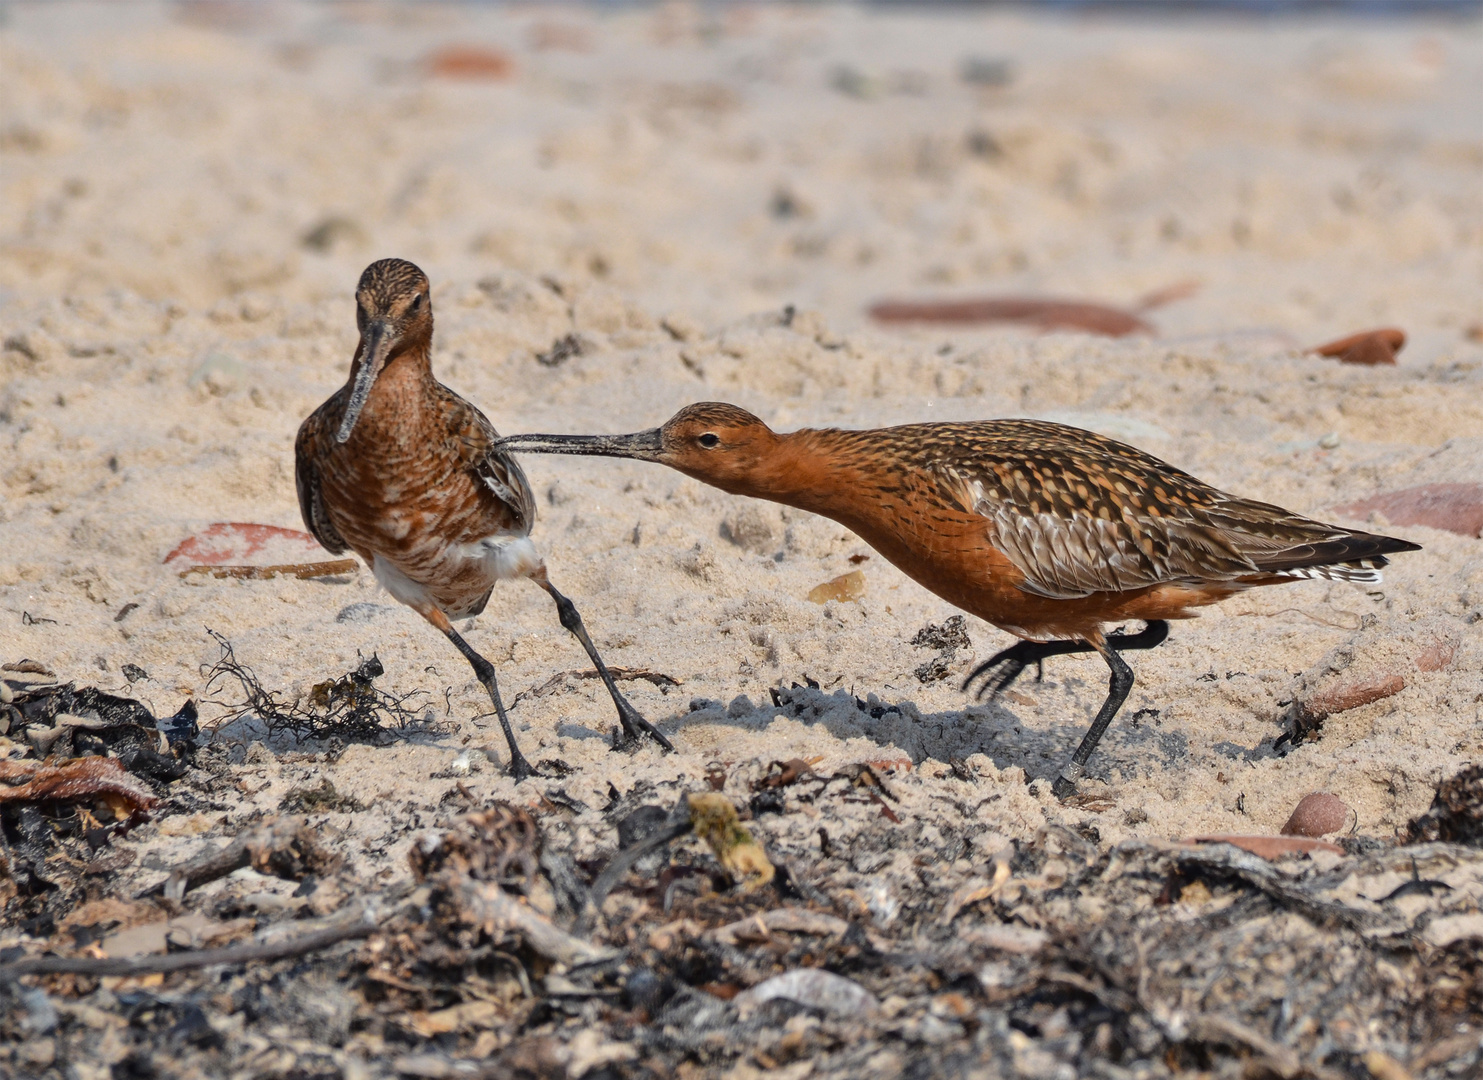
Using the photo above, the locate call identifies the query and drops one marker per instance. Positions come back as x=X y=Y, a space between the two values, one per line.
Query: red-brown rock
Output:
x=1317 y=814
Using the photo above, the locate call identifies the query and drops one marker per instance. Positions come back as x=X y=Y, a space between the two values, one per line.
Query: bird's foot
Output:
x=519 y=769
x=1065 y=785
x=635 y=728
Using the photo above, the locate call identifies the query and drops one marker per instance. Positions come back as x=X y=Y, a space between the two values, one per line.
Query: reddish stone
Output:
x=1317 y=814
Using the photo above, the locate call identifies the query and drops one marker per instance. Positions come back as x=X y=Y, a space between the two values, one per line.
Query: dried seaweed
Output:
x=350 y=708
x=1146 y=958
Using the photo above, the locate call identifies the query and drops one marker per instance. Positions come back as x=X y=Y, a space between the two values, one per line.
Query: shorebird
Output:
x=409 y=475
x=1046 y=531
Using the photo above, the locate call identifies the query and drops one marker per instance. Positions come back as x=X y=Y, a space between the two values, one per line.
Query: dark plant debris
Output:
x=350 y=708
x=670 y=934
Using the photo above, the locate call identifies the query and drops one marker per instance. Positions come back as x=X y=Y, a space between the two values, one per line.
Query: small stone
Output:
x=1317 y=814
x=844 y=588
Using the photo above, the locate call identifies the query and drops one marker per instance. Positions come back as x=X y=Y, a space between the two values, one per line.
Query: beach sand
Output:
x=709 y=199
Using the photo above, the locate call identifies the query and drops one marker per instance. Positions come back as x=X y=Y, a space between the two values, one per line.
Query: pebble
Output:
x=845 y=588
x=1316 y=815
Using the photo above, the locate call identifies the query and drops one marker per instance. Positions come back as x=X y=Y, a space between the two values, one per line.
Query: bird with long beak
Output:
x=409 y=475
x=1046 y=531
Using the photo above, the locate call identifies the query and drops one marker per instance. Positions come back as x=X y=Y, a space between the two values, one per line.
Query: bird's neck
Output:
x=405 y=383
x=817 y=470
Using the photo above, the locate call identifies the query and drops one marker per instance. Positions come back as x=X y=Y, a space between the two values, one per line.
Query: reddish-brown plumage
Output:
x=400 y=469
x=1046 y=531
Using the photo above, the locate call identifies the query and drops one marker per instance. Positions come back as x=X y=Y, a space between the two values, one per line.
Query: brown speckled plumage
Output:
x=1046 y=531
x=401 y=470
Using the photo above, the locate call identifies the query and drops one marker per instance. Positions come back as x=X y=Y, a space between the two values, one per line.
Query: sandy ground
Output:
x=662 y=182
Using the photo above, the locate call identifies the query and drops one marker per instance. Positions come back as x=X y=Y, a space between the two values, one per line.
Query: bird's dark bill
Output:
x=643 y=445
x=377 y=339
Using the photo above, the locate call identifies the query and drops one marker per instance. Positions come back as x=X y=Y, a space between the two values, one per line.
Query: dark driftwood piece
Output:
x=186 y=961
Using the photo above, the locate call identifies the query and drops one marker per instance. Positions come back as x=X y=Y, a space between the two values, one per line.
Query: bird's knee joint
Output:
x=566 y=611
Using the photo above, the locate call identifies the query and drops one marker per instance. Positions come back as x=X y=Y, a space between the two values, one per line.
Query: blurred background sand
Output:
x=188 y=193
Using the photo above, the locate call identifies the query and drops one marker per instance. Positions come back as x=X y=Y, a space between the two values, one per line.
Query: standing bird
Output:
x=411 y=476
x=1048 y=532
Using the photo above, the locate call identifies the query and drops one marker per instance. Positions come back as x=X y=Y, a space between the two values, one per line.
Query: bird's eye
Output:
x=416 y=302
x=710 y=439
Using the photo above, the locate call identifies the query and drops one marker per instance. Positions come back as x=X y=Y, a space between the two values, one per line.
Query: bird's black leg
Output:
x=634 y=725
x=1118 y=688
x=484 y=672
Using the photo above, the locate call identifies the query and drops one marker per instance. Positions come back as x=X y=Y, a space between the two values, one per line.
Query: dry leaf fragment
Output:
x=302 y=571
x=81 y=778
x=814 y=988
x=1042 y=313
x=1368 y=348
x=1454 y=507
x=1271 y=847
x=239 y=541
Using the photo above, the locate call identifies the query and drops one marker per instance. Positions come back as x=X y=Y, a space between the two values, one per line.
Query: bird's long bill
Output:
x=643 y=445
x=378 y=339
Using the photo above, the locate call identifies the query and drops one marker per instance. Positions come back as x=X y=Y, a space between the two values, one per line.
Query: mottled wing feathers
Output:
x=495 y=469
x=1078 y=513
x=312 y=432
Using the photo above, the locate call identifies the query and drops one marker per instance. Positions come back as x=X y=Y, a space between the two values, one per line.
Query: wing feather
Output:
x=1109 y=539
x=306 y=480
x=497 y=470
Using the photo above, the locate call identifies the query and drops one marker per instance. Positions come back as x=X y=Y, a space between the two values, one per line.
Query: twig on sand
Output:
x=188 y=961
x=303 y=571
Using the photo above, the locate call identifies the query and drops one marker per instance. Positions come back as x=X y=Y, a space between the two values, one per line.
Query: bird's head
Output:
x=721 y=444
x=394 y=313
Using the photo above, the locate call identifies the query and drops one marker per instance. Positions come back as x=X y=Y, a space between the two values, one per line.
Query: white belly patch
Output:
x=497 y=558
x=504 y=557
x=400 y=585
